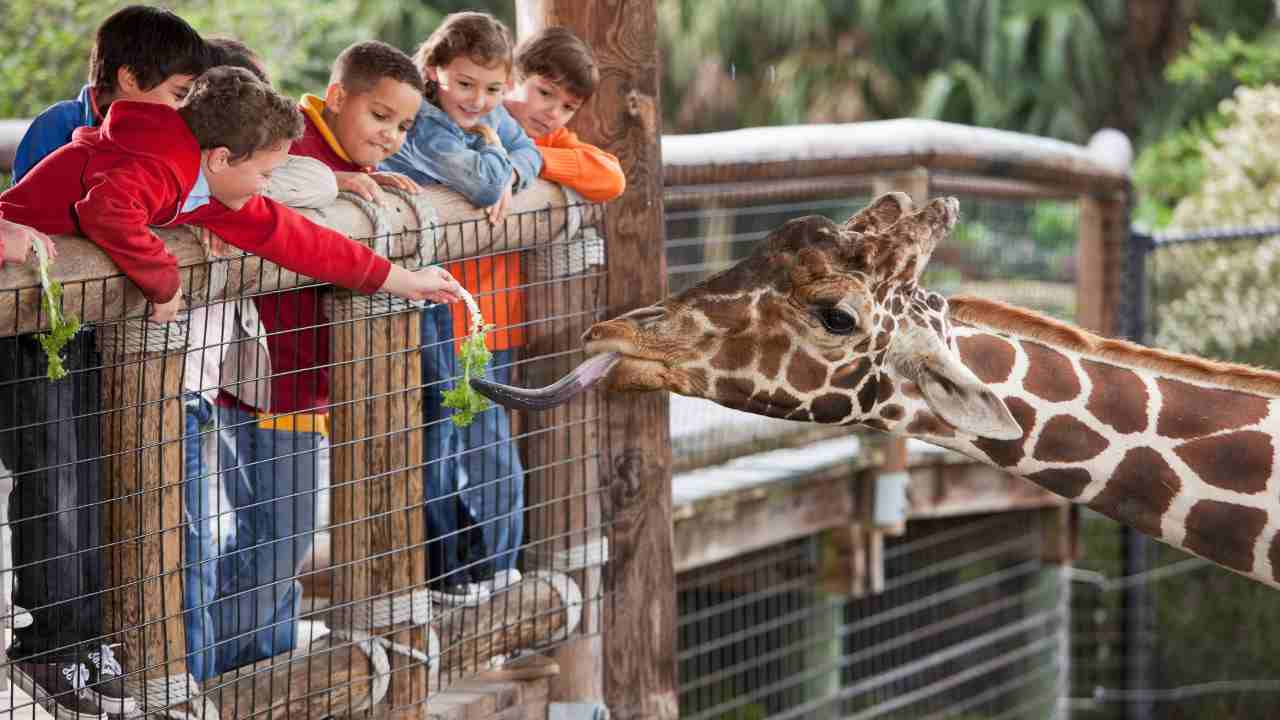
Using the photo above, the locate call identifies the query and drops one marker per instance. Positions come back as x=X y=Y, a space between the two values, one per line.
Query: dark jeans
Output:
x=473 y=476
x=50 y=439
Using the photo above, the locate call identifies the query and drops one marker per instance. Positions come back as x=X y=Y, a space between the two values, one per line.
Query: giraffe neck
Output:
x=1178 y=453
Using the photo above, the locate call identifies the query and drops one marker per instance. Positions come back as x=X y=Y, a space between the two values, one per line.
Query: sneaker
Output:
x=59 y=687
x=106 y=682
x=501 y=580
x=460 y=594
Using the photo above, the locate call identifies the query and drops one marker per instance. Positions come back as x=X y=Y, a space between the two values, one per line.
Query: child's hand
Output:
x=498 y=211
x=167 y=311
x=489 y=134
x=396 y=180
x=361 y=184
x=437 y=285
x=433 y=283
x=17 y=240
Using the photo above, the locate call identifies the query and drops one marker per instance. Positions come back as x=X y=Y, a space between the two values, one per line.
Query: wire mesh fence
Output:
x=267 y=509
x=1194 y=639
x=970 y=624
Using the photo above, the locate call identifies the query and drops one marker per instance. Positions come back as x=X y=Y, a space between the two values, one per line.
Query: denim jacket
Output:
x=52 y=129
x=437 y=150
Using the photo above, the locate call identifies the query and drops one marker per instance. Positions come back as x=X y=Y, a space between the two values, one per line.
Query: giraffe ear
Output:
x=954 y=393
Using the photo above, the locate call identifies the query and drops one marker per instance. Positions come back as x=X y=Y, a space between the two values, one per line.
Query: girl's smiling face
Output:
x=467 y=91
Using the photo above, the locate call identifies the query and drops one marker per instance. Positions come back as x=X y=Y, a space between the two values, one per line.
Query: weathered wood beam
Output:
x=94 y=289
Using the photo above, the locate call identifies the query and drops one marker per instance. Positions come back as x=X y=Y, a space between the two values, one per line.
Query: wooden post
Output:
x=624 y=118
x=143 y=520
x=377 y=523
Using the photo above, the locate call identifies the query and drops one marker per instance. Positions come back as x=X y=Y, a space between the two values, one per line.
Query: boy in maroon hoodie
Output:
x=203 y=164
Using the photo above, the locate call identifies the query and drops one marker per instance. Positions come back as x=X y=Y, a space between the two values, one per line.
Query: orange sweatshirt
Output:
x=592 y=173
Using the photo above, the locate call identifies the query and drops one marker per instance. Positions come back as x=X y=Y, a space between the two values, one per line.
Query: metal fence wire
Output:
x=265 y=509
x=1159 y=633
x=971 y=624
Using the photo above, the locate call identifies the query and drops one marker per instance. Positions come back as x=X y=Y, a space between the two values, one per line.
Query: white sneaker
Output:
x=501 y=580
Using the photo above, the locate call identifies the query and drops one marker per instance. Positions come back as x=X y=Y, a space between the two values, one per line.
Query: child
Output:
x=465 y=139
x=556 y=74
x=139 y=53
x=204 y=164
x=371 y=101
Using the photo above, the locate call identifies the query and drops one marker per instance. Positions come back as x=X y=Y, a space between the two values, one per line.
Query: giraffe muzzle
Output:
x=588 y=373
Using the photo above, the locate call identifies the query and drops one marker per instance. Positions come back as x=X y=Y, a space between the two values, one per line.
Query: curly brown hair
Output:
x=229 y=107
x=479 y=36
x=558 y=55
x=361 y=66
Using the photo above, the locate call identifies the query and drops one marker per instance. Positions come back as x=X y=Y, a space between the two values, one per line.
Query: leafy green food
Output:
x=61 y=327
x=473 y=356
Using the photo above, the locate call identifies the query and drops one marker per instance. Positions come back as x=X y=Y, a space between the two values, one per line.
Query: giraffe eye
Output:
x=836 y=321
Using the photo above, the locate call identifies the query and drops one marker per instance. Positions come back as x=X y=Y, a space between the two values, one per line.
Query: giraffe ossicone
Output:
x=827 y=323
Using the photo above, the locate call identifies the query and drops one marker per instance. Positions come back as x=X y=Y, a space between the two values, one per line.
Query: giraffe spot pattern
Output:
x=1067 y=482
x=876 y=424
x=867 y=396
x=830 y=408
x=727 y=314
x=801 y=415
x=1119 y=397
x=1139 y=491
x=1239 y=461
x=776 y=404
x=1224 y=532
x=1190 y=411
x=850 y=376
x=772 y=350
x=926 y=423
x=804 y=373
x=989 y=357
x=1066 y=439
x=1007 y=453
x=735 y=353
x=1049 y=374
x=911 y=390
x=733 y=391
x=884 y=388
x=892 y=412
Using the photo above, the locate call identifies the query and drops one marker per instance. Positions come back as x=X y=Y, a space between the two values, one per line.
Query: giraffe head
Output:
x=822 y=323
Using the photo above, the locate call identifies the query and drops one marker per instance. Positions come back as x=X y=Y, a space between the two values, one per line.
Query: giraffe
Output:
x=827 y=323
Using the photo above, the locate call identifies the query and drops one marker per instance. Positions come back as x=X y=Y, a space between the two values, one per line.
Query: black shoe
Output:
x=106 y=682
x=59 y=687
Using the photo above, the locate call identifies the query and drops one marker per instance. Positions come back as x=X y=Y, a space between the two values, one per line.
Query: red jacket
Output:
x=111 y=183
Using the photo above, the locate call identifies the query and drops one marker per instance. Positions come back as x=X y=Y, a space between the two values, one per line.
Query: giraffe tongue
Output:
x=589 y=372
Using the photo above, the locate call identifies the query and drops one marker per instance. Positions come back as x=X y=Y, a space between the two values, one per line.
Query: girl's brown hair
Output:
x=478 y=36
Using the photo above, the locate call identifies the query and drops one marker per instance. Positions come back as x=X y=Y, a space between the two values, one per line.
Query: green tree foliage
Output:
x=47 y=41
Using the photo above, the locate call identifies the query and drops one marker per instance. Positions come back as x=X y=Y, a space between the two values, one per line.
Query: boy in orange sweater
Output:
x=556 y=74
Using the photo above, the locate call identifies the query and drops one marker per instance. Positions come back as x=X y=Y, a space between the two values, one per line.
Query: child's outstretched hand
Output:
x=167 y=311
x=489 y=134
x=396 y=180
x=431 y=283
x=16 y=240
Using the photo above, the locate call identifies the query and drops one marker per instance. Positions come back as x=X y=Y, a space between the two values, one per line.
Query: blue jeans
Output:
x=473 y=476
x=270 y=479
x=200 y=552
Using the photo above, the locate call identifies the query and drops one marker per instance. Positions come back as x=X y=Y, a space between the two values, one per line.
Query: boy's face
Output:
x=171 y=91
x=467 y=91
x=234 y=183
x=542 y=106
x=371 y=126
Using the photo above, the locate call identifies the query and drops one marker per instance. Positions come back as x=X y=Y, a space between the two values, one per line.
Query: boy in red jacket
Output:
x=203 y=164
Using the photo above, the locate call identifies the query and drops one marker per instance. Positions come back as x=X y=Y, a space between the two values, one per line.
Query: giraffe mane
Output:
x=995 y=315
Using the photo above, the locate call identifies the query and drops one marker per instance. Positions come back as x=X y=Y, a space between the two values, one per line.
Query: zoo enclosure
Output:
x=383 y=643
x=809 y=585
